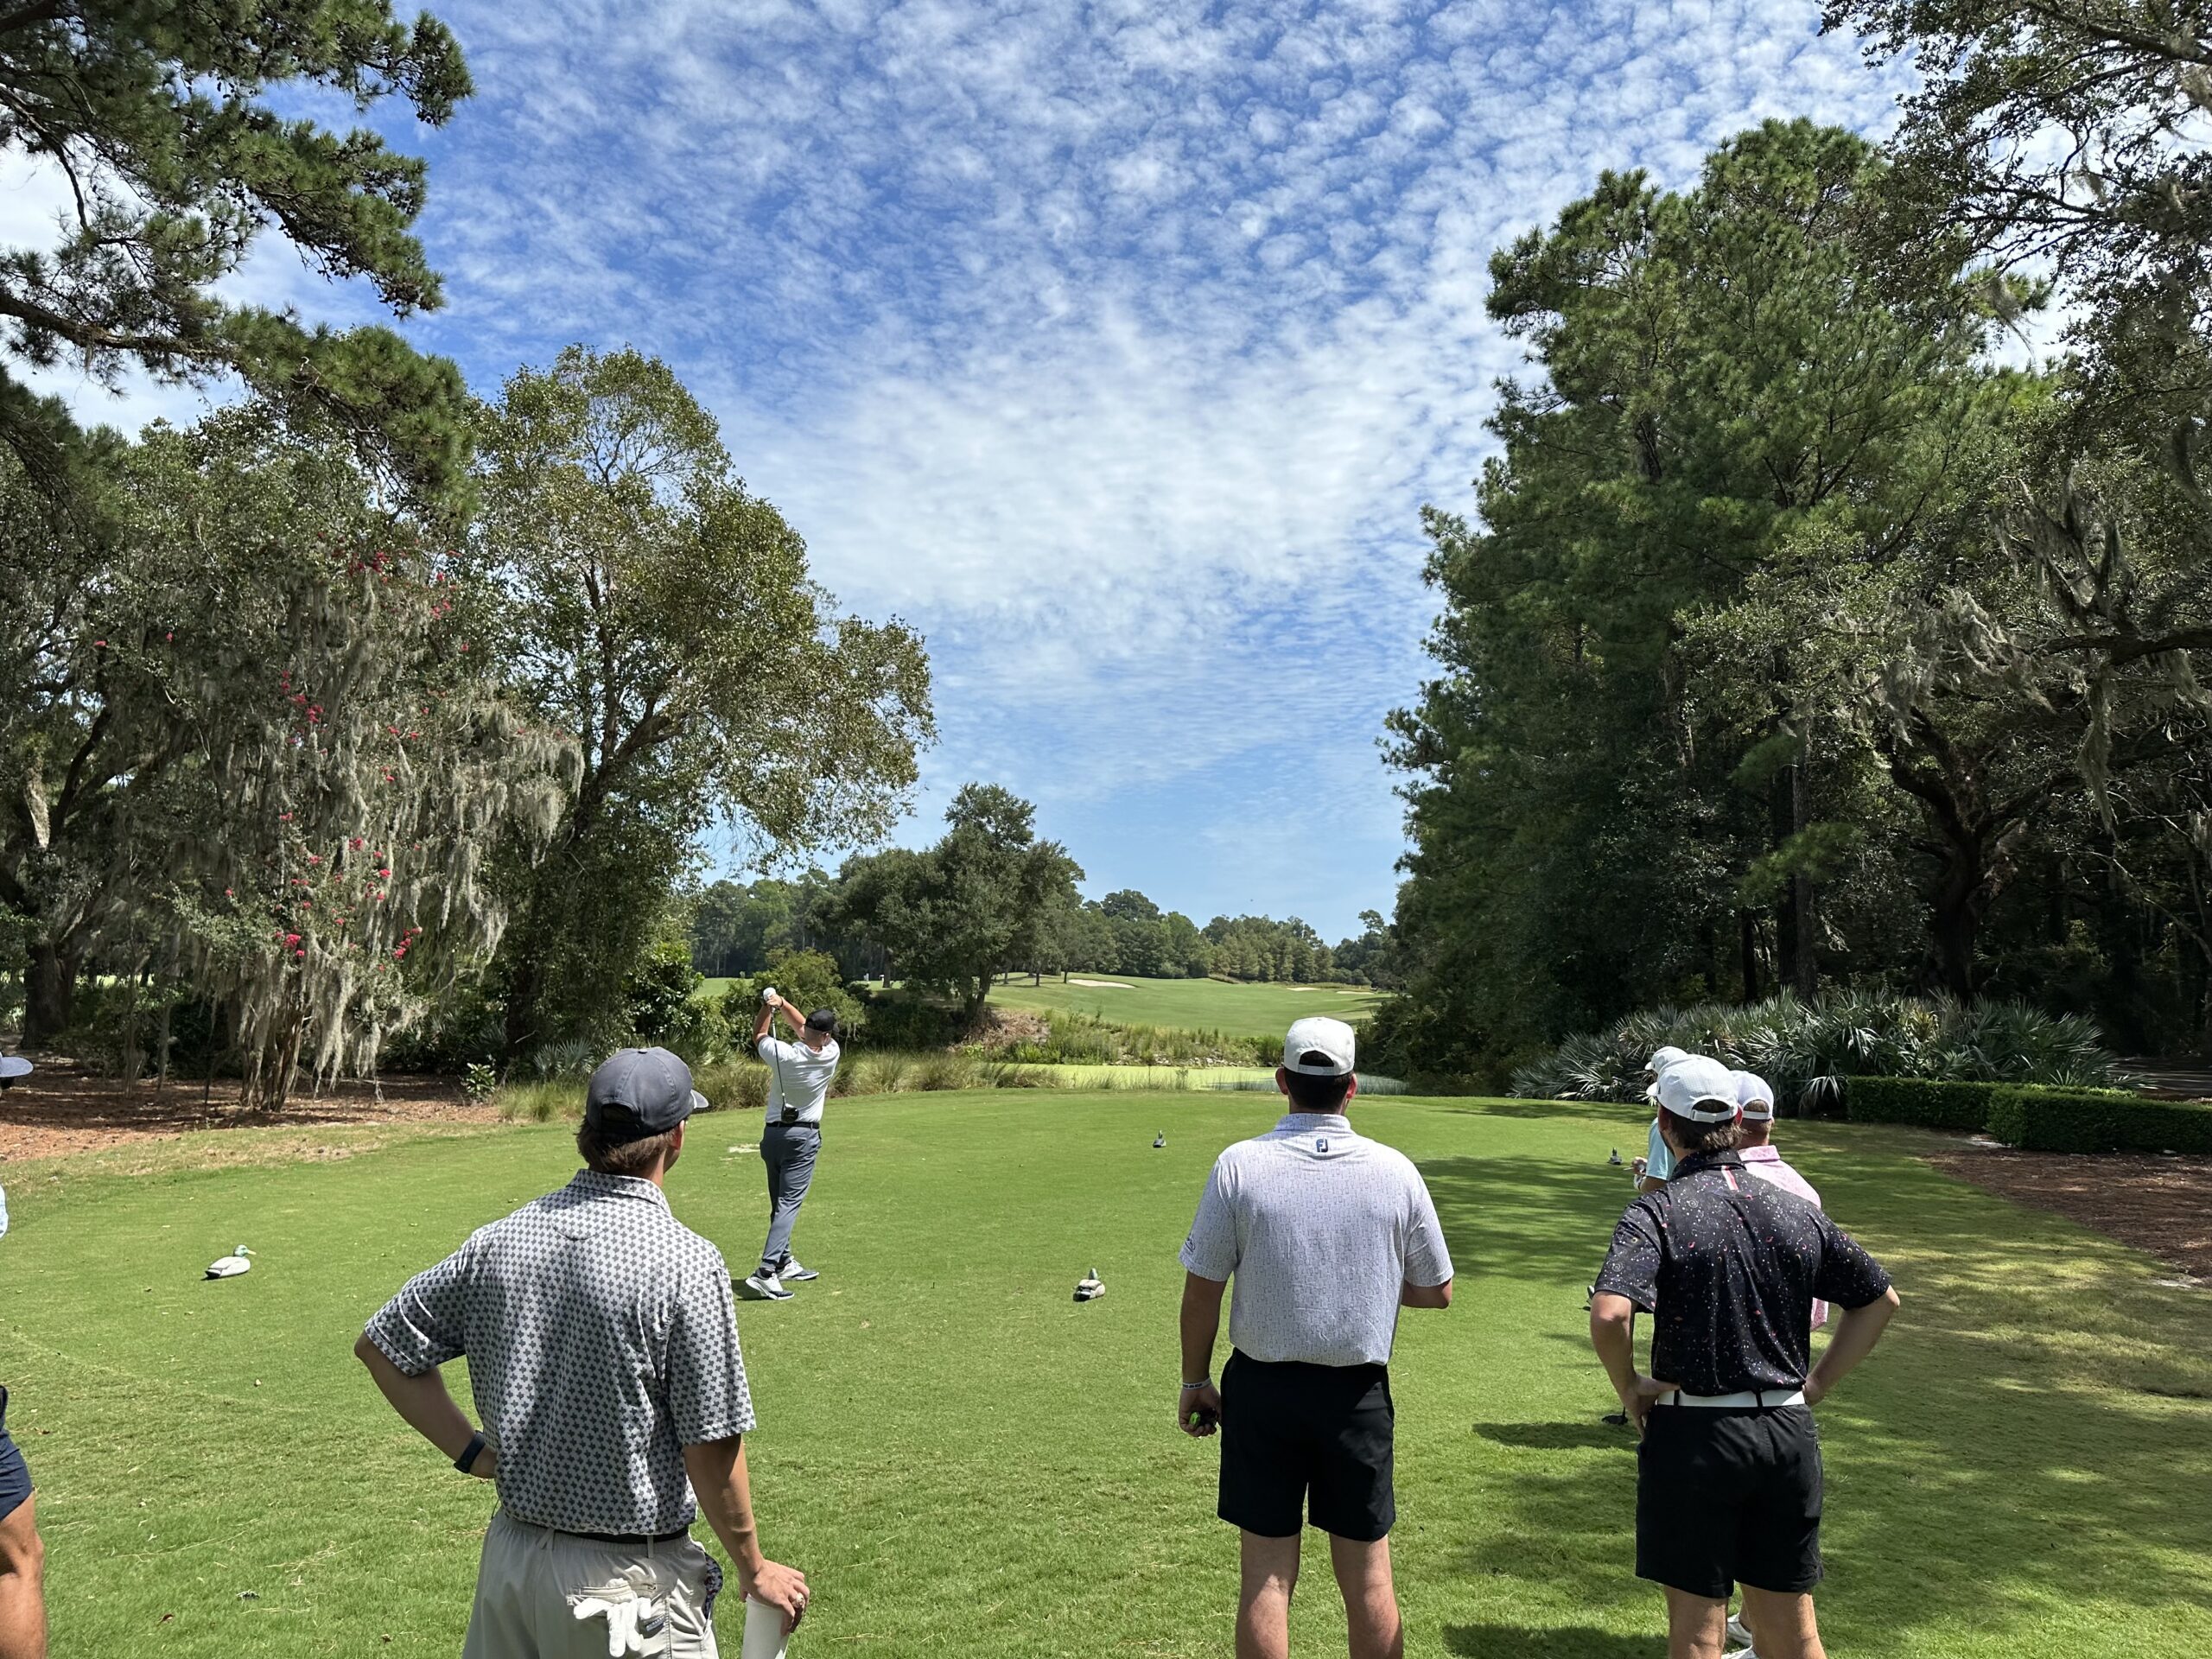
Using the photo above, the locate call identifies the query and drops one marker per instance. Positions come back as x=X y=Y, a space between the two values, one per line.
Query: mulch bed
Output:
x=2160 y=1204
x=65 y=1108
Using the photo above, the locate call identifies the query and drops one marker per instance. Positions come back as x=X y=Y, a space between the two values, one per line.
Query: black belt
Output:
x=629 y=1540
x=778 y=1123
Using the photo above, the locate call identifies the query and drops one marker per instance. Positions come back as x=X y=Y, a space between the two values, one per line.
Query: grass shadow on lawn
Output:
x=1512 y=1641
x=2034 y=1432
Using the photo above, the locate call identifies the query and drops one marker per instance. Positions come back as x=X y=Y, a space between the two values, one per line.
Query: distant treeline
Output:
x=737 y=927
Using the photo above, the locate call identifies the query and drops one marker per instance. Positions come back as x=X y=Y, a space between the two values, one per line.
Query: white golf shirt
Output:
x=1320 y=1228
x=798 y=1076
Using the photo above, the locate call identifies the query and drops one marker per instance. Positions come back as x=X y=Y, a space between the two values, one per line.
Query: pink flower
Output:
x=291 y=938
x=314 y=858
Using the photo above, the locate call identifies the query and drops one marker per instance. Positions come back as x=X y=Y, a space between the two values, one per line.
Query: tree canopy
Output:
x=159 y=120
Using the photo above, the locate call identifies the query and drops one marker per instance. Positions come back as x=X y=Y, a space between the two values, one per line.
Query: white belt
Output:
x=1749 y=1400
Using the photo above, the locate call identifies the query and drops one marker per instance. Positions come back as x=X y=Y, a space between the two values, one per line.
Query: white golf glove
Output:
x=634 y=1624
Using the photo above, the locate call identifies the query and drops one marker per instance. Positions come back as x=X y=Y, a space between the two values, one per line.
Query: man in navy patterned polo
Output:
x=601 y=1337
x=1729 y=1479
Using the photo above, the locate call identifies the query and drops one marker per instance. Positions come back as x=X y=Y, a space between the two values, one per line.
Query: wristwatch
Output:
x=467 y=1460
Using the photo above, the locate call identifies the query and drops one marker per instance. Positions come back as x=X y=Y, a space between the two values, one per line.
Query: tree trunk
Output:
x=1805 y=978
x=1955 y=917
x=1781 y=819
x=1747 y=945
x=49 y=993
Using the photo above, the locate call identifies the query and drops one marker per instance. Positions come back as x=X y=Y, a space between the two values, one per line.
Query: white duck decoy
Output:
x=1090 y=1287
x=229 y=1267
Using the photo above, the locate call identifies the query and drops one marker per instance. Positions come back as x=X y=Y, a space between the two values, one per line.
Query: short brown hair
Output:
x=1311 y=1092
x=623 y=1157
x=1697 y=1139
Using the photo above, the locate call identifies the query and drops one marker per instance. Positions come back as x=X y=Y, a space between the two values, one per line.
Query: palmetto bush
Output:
x=1803 y=1048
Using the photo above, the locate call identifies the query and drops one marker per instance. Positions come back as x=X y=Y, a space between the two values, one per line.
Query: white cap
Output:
x=1660 y=1060
x=1701 y=1090
x=1751 y=1093
x=1318 y=1035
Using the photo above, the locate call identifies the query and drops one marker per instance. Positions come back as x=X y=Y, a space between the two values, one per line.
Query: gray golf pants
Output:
x=788 y=1150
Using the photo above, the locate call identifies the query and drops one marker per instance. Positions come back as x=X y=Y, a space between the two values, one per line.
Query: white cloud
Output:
x=1117 y=345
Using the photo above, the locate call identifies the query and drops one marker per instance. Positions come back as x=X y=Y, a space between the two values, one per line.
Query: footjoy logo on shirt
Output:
x=1321 y=1145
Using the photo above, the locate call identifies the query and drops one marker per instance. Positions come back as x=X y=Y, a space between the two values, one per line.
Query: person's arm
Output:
x=1427 y=1279
x=1198 y=1405
x=1612 y=1318
x=760 y=1026
x=1413 y=1295
x=725 y=1495
x=1855 y=1335
x=426 y=1406
x=1649 y=1184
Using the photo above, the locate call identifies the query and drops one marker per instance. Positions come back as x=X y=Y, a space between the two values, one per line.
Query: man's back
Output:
x=1730 y=1266
x=1319 y=1227
x=602 y=1339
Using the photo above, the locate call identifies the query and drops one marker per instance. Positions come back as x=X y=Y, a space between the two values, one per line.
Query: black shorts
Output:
x=1729 y=1497
x=1290 y=1429
x=15 y=1478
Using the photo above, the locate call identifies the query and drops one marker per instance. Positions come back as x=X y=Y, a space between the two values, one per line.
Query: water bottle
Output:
x=765 y=1636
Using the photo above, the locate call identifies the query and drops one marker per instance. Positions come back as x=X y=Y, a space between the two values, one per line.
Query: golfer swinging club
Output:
x=1729 y=1482
x=799 y=1075
x=1327 y=1234
x=602 y=1354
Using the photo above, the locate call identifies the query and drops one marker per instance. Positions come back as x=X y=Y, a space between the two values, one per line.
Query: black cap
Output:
x=639 y=1092
x=822 y=1020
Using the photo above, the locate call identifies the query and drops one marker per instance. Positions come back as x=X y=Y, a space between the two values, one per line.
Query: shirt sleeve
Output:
x=1211 y=1250
x=1631 y=1267
x=1658 y=1156
x=1847 y=1276
x=1428 y=1263
x=770 y=1050
x=707 y=1396
x=426 y=1325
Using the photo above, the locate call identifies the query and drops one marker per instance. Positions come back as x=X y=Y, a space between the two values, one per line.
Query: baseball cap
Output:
x=1662 y=1058
x=1701 y=1090
x=1318 y=1034
x=639 y=1092
x=1751 y=1091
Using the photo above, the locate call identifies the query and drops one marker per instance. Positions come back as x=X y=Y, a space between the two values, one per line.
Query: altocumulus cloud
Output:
x=1115 y=346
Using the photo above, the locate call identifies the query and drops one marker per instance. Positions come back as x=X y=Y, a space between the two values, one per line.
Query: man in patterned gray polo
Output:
x=601 y=1337
x=1327 y=1234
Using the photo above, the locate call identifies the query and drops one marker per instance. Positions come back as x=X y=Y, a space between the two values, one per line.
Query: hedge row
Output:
x=2064 y=1120
x=1922 y=1101
x=2034 y=1117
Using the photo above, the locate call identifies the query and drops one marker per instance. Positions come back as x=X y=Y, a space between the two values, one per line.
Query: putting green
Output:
x=967 y=1462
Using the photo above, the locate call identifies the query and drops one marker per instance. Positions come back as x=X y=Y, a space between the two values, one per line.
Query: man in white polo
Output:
x=1327 y=1235
x=799 y=1075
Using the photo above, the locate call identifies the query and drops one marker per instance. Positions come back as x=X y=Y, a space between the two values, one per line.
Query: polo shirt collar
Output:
x=592 y=1183
x=1306 y=1123
x=1708 y=1160
x=1769 y=1154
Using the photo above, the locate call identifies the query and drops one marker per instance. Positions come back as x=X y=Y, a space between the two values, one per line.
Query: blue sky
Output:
x=1116 y=347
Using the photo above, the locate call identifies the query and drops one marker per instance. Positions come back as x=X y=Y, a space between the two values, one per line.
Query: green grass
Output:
x=1191 y=1004
x=968 y=1462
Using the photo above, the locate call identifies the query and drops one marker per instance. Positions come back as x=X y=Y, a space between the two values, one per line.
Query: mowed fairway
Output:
x=968 y=1462
x=1189 y=1004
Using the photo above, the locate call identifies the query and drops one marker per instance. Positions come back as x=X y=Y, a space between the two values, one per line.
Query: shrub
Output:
x=939 y=1071
x=808 y=980
x=2097 y=1120
x=735 y=1085
x=1803 y=1048
x=1927 y=1102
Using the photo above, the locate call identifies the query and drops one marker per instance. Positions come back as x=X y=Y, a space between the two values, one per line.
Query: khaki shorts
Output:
x=532 y=1581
